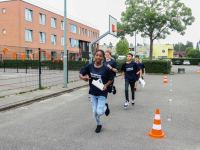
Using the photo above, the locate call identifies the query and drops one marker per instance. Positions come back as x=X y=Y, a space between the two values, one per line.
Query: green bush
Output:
x=193 y=61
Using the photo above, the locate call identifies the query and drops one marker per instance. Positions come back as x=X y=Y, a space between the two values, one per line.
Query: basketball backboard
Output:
x=112 y=25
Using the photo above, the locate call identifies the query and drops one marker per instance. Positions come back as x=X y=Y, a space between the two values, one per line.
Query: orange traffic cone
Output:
x=165 y=79
x=157 y=129
x=198 y=71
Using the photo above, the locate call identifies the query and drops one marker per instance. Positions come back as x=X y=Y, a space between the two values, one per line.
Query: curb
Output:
x=24 y=102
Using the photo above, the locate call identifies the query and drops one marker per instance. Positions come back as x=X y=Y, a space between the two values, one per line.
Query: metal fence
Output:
x=25 y=69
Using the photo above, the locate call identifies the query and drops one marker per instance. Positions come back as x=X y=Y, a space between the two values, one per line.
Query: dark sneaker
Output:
x=109 y=88
x=126 y=104
x=98 y=129
x=132 y=102
x=107 y=110
x=114 y=90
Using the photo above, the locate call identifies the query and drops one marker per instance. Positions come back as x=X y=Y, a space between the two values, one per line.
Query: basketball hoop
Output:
x=113 y=29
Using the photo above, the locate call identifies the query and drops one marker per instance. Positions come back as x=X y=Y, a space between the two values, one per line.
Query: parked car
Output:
x=177 y=62
x=186 y=62
x=170 y=61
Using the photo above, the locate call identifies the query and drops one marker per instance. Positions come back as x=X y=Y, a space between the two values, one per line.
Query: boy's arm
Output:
x=122 y=76
x=107 y=84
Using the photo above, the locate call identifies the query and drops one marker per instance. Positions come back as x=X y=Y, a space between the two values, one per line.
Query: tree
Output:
x=189 y=44
x=122 y=47
x=155 y=19
x=197 y=47
x=138 y=44
x=193 y=53
x=187 y=50
x=179 y=47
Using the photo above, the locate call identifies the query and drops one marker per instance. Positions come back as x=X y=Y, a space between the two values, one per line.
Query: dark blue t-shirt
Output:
x=130 y=71
x=103 y=73
x=113 y=64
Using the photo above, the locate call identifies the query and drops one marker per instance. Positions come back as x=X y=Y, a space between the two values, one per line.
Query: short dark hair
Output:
x=136 y=56
x=130 y=54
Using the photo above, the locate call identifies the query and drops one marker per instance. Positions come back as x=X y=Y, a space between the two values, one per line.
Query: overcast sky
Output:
x=96 y=12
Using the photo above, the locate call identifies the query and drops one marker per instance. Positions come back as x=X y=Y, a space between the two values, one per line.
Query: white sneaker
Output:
x=133 y=101
x=126 y=104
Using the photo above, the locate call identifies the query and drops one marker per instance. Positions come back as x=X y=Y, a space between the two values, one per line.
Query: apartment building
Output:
x=26 y=25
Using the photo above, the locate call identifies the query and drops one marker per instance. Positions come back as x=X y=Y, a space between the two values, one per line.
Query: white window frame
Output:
x=91 y=34
x=42 y=37
x=28 y=14
x=53 y=39
x=3 y=10
x=72 y=30
x=28 y=51
x=79 y=30
x=62 y=41
x=82 y=31
x=62 y=25
x=62 y=56
x=53 y=22
x=88 y=33
x=42 y=19
x=28 y=35
x=77 y=46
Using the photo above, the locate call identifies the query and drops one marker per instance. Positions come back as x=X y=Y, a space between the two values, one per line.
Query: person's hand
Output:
x=122 y=78
x=104 y=87
x=109 y=66
x=138 y=72
x=86 y=79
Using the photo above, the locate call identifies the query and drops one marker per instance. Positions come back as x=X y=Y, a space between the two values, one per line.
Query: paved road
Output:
x=66 y=122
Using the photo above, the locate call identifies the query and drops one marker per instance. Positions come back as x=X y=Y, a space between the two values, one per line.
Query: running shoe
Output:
x=98 y=129
x=114 y=90
x=132 y=102
x=126 y=104
x=107 y=110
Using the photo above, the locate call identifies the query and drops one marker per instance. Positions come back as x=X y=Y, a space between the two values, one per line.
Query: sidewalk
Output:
x=20 y=99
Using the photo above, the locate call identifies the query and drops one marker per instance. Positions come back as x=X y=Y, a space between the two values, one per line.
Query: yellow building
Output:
x=163 y=51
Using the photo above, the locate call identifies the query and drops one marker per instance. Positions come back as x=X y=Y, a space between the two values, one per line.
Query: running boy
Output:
x=98 y=70
x=140 y=72
x=130 y=69
x=142 y=67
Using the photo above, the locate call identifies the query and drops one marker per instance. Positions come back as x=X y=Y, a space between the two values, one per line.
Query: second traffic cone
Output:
x=157 y=129
x=165 y=79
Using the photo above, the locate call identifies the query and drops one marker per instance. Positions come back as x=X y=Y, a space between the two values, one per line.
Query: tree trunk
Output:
x=151 y=49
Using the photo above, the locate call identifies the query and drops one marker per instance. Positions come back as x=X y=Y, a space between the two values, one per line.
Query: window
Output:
x=42 y=37
x=83 y=31
x=53 y=22
x=74 y=42
x=62 y=55
x=95 y=35
x=42 y=19
x=79 y=30
x=53 y=39
x=28 y=15
x=53 y=54
x=29 y=35
x=3 y=10
x=62 y=25
x=62 y=40
x=73 y=28
x=86 y=32
x=98 y=35
x=28 y=52
x=4 y=31
x=41 y=56
x=91 y=34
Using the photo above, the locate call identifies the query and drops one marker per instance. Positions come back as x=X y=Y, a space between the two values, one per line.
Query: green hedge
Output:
x=193 y=61
x=151 y=66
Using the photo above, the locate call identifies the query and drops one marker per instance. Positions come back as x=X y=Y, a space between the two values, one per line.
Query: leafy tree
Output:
x=131 y=44
x=193 y=53
x=122 y=47
x=197 y=47
x=155 y=19
x=138 y=44
x=179 y=47
x=189 y=44
x=188 y=49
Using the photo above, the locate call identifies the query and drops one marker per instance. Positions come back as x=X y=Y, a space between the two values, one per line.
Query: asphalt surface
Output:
x=66 y=122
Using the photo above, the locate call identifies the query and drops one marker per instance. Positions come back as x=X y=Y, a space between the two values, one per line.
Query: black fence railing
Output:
x=25 y=69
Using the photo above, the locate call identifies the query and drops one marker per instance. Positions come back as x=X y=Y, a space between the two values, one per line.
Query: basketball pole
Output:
x=65 y=45
x=90 y=45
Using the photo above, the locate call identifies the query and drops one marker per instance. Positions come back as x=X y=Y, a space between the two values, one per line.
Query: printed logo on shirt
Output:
x=93 y=75
x=129 y=69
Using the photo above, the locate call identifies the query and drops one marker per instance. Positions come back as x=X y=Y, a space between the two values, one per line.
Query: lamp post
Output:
x=65 y=45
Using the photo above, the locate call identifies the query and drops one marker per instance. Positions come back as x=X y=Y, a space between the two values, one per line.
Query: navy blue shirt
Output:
x=112 y=63
x=103 y=73
x=130 y=71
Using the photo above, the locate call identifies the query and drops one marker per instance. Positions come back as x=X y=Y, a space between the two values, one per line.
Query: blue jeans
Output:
x=99 y=107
